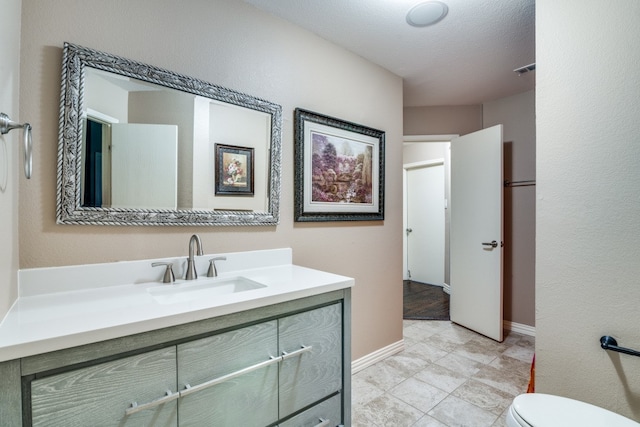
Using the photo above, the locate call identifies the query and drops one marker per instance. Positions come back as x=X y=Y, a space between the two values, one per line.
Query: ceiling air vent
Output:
x=525 y=69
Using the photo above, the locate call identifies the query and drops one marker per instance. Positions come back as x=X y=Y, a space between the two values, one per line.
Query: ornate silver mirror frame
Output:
x=72 y=114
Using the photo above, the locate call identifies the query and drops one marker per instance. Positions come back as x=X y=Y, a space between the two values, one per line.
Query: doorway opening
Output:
x=426 y=175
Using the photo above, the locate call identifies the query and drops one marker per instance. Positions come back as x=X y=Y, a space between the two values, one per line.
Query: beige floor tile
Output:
x=461 y=364
x=455 y=412
x=501 y=421
x=433 y=326
x=447 y=376
x=418 y=394
x=509 y=365
x=475 y=350
x=417 y=333
x=386 y=411
x=524 y=353
x=443 y=342
x=428 y=421
x=415 y=358
x=511 y=338
x=457 y=334
x=362 y=391
x=383 y=375
x=441 y=377
x=512 y=384
x=484 y=396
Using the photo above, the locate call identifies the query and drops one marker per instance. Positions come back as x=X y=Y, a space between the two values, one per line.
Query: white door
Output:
x=426 y=223
x=144 y=166
x=476 y=231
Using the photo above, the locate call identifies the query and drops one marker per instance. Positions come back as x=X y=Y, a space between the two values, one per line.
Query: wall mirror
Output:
x=140 y=145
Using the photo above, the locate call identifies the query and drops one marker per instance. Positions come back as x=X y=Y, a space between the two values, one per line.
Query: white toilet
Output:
x=545 y=410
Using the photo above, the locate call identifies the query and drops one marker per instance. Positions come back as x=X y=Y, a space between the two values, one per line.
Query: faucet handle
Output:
x=212 y=272
x=168 y=273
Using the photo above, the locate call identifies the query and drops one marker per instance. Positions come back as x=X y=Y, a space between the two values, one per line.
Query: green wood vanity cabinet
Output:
x=250 y=399
x=98 y=395
x=282 y=365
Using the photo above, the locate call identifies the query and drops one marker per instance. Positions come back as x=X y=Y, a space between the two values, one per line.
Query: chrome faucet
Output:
x=191 y=269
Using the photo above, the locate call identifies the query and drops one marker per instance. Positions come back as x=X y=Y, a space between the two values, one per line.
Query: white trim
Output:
x=101 y=116
x=429 y=138
x=376 y=356
x=423 y=163
x=446 y=288
x=520 y=328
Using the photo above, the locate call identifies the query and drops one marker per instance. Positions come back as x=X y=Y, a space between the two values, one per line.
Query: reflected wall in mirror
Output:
x=137 y=146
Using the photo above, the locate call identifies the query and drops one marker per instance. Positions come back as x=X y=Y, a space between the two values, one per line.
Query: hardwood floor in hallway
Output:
x=424 y=302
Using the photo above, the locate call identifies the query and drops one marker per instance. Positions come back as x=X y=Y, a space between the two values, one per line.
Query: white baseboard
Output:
x=446 y=288
x=520 y=328
x=376 y=356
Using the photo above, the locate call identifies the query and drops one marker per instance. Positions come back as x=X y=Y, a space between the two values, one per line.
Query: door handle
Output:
x=493 y=244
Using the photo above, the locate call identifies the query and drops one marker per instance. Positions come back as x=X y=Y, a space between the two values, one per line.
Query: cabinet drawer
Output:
x=99 y=395
x=246 y=399
x=325 y=414
x=311 y=375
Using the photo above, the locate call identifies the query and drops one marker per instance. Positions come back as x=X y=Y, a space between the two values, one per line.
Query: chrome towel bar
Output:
x=6 y=125
x=610 y=343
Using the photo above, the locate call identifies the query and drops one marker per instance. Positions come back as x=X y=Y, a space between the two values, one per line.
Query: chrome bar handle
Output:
x=323 y=423
x=610 y=343
x=165 y=399
x=28 y=150
x=303 y=349
x=6 y=125
x=194 y=389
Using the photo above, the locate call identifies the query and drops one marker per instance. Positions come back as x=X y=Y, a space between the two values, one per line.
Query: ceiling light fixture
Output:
x=427 y=13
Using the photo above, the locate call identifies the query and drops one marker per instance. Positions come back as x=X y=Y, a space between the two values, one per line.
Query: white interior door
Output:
x=426 y=223
x=144 y=166
x=476 y=222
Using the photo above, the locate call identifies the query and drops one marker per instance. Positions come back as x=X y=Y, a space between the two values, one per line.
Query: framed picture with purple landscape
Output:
x=234 y=170
x=339 y=170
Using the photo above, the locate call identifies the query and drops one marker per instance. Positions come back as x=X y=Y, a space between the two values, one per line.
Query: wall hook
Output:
x=6 y=124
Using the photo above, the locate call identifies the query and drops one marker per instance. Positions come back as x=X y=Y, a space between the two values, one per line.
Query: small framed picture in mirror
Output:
x=234 y=170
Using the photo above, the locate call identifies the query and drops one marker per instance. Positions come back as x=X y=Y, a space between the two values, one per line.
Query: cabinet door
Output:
x=232 y=378
x=99 y=395
x=324 y=414
x=311 y=345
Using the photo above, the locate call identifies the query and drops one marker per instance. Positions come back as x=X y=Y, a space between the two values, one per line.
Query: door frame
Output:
x=412 y=139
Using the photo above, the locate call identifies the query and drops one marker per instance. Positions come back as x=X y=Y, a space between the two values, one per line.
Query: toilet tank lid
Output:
x=539 y=409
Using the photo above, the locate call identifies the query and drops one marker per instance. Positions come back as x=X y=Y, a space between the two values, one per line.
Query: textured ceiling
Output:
x=467 y=58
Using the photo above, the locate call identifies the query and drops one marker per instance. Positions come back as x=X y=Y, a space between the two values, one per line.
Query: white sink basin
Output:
x=202 y=288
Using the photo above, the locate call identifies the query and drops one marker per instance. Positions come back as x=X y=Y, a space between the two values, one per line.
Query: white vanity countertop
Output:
x=63 y=307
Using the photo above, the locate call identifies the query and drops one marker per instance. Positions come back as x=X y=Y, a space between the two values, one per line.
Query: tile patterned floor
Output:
x=447 y=376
